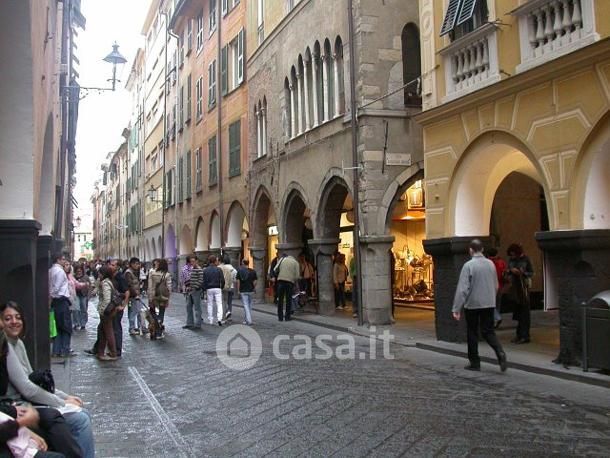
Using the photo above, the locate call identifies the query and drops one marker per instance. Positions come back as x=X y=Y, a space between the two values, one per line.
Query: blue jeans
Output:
x=134 y=314
x=80 y=316
x=193 y=304
x=246 y=299
x=80 y=426
x=63 y=320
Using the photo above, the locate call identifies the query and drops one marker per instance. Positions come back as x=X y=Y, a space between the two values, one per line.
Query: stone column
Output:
x=291 y=249
x=336 y=63
x=180 y=263
x=234 y=253
x=306 y=95
x=19 y=282
x=375 y=279
x=203 y=256
x=293 y=115
x=314 y=80
x=576 y=265
x=263 y=131
x=449 y=255
x=323 y=250
x=300 y=99
x=326 y=87
x=258 y=264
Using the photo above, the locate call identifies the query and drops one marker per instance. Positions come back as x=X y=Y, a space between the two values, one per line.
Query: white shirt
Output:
x=58 y=282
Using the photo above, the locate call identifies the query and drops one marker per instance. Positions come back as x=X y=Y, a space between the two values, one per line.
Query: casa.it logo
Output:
x=239 y=347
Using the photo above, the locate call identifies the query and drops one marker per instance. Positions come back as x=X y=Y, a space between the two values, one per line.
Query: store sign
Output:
x=403 y=159
x=272 y=230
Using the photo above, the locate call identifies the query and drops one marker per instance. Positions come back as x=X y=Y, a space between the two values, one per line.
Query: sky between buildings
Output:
x=103 y=115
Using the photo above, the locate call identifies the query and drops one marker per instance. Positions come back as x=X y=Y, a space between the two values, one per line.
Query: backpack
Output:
x=161 y=290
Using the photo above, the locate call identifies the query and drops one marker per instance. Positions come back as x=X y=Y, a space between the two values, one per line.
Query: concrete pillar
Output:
x=306 y=95
x=576 y=269
x=259 y=257
x=234 y=253
x=323 y=250
x=326 y=87
x=336 y=64
x=300 y=98
x=314 y=79
x=376 y=293
x=291 y=249
x=293 y=113
x=449 y=255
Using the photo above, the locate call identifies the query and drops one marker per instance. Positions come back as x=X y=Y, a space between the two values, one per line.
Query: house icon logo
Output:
x=239 y=347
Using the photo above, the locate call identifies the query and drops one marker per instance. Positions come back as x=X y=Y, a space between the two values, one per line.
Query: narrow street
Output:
x=174 y=397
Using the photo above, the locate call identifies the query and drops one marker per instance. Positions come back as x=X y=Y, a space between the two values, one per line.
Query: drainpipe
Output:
x=355 y=160
x=219 y=119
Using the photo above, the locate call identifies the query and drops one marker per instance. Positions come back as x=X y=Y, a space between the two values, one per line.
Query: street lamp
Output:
x=152 y=194
x=115 y=58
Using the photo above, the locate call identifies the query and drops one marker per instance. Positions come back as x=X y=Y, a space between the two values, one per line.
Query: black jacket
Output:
x=213 y=278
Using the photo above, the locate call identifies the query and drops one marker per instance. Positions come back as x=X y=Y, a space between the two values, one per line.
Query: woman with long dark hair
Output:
x=20 y=388
x=159 y=290
x=519 y=272
x=107 y=339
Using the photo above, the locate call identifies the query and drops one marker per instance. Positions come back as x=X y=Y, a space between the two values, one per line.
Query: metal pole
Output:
x=164 y=193
x=219 y=114
x=355 y=159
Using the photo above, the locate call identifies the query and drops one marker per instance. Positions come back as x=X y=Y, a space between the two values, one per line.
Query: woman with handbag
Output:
x=106 y=307
x=159 y=289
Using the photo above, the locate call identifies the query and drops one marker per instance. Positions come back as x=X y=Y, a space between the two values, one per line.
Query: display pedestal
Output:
x=376 y=291
x=258 y=264
x=323 y=250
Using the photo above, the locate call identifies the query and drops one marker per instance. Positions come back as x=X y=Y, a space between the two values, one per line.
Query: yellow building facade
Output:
x=516 y=94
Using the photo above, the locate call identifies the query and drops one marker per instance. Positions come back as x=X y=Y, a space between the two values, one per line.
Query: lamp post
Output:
x=115 y=58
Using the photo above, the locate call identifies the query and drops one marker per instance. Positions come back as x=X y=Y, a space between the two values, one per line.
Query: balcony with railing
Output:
x=551 y=28
x=471 y=62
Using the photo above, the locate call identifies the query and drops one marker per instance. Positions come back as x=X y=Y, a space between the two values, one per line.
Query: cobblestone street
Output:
x=175 y=398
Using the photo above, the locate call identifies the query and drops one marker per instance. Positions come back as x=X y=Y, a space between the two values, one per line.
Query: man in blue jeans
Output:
x=59 y=292
x=246 y=285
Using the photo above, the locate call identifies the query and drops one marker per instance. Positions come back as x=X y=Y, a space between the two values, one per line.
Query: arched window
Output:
x=287 y=110
x=411 y=65
x=264 y=126
x=339 y=78
x=329 y=83
x=319 y=83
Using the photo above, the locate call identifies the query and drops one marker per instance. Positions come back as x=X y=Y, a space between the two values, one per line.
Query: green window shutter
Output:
x=212 y=172
x=224 y=70
x=235 y=149
x=240 y=57
x=189 y=97
x=188 y=175
x=180 y=179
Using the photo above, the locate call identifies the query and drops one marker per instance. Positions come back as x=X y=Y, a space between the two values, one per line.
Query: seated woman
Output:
x=20 y=387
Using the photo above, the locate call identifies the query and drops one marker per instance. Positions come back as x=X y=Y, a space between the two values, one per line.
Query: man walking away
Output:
x=192 y=290
x=476 y=295
x=59 y=292
x=246 y=285
x=228 y=291
x=213 y=283
x=134 y=314
x=288 y=272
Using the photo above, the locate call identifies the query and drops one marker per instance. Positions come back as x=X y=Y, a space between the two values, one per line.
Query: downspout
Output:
x=219 y=119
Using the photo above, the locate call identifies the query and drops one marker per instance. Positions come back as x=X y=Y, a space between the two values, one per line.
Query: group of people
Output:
x=482 y=284
x=216 y=283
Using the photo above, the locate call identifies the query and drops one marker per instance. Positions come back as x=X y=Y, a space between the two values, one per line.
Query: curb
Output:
x=573 y=377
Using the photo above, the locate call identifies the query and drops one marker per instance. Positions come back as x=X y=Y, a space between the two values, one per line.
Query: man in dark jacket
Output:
x=213 y=283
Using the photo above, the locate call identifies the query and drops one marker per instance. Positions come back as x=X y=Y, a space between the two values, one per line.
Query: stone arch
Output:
x=236 y=217
x=485 y=163
x=170 y=242
x=590 y=196
x=215 y=239
x=334 y=192
x=46 y=199
x=396 y=188
x=186 y=240
x=262 y=210
x=200 y=242
x=292 y=216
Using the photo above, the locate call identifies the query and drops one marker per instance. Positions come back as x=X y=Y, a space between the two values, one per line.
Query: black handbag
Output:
x=44 y=379
x=116 y=300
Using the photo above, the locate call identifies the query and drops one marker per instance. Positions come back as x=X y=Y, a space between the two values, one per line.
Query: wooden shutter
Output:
x=235 y=149
x=240 y=56
x=224 y=70
x=451 y=15
x=467 y=11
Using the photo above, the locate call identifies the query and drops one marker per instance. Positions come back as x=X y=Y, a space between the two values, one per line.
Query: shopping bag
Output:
x=52 y=325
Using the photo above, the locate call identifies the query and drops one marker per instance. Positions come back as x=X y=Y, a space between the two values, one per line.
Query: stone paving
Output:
x=174 y=398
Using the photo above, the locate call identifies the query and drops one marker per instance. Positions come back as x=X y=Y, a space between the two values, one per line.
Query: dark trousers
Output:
x=106 y=338
x=482 y=319
x=117 y=325
x=284 y=295
x=56 y=432
x=522 y=314
x=63 y=320
x=340 y=295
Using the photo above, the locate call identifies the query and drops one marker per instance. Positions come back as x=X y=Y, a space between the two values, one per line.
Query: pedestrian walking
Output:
x=159 y=287
x=137 y=319
x=340 y=273
x=500 y=266
x=107 y=306
x=287 y=271
x=191 y=278
x=476 y=296
x=519 y=274
x=83 y=291
x=213 y=283
x=229 y=272
x=59 y=292
x=246 y=285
